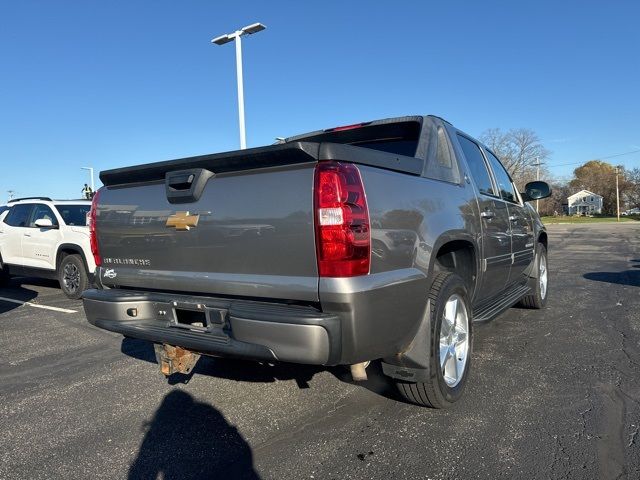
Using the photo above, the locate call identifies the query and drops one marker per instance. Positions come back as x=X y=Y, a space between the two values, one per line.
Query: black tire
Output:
x=72 y=276
x=5 y=278
x=435 y=392
x=538 y=298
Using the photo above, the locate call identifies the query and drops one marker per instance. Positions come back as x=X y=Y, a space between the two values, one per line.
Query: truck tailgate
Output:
x=248 y=233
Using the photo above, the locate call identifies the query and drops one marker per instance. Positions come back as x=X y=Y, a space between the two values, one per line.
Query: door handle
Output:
x=487 y=214
x=27 y=234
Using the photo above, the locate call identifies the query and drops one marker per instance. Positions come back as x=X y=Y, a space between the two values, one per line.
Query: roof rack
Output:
x=13 y=200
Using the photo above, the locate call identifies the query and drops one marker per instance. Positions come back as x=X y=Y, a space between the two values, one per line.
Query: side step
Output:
x=504 y=301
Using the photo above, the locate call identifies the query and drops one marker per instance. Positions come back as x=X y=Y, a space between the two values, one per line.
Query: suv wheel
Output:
x=5 y=278
x=72 y=276
x=538 y=298
x=451 y=342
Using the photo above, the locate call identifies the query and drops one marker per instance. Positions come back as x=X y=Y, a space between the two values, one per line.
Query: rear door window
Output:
x=477 y=166
x=18 y=216
x=75 y=215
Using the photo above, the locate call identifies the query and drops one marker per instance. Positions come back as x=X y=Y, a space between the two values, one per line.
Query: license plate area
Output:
x=197 y=317
x=191 y=319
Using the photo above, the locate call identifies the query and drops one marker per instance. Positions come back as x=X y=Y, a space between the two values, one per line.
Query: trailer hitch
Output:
x=175 y=359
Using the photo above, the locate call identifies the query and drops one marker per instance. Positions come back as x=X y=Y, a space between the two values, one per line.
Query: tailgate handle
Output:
x=181 y=182
x=186 y=186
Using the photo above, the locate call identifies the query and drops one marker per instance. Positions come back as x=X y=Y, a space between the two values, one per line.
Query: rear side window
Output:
x=18 y=216
x=505 y=185
x=75 y=215
x=478 y=167
x=442 y=164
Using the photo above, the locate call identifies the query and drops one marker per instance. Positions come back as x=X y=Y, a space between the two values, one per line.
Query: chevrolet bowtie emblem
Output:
x=182 y=220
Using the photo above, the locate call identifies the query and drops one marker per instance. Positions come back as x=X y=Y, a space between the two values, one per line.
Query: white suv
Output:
x=40 y=237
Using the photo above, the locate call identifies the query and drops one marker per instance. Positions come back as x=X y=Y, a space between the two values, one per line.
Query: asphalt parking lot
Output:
x=552 y=394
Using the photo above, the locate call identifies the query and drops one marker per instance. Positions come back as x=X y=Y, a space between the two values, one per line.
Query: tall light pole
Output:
x=93 y=187
x=229 y=37
x=617 y=195
x=537 y=165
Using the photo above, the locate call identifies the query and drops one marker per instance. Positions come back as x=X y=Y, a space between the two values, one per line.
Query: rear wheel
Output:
x=450 y=346
x=72 y=276
x=5 y=278
x=538 y=298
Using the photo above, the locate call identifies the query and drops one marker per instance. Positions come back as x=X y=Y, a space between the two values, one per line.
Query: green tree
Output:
x=633 y=194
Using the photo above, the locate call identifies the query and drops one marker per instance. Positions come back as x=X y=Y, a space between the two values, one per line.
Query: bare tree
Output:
x=519 y=150
x=553 y=205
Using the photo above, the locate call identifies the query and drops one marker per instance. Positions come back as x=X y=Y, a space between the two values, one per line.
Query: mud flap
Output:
x=412 y=365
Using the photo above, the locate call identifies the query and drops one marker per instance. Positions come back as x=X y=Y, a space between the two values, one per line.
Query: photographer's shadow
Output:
x=187 y=439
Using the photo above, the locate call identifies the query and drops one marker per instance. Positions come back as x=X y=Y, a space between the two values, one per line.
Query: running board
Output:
x=503 y=302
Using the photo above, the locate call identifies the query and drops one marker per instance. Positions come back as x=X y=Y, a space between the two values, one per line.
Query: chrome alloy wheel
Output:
x=71 y=277
x=542 y=275
x=454 y=340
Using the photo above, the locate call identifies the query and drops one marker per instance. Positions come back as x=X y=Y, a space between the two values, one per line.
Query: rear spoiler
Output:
x=262 y=157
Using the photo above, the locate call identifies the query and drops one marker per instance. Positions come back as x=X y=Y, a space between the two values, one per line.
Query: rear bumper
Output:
x=230 y=328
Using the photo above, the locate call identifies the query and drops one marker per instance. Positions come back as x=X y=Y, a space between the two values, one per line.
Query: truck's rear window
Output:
x=397 y=137
x=75 y=215
x=392 y=145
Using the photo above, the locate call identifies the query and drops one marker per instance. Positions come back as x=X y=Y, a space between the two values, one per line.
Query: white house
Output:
x=584 y=203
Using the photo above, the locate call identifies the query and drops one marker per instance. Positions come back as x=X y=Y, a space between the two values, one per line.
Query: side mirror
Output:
x=536 y=191
x=44 y=223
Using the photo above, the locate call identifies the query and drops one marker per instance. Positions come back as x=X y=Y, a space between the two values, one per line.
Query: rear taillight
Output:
x=343 y=240
x=91 y=221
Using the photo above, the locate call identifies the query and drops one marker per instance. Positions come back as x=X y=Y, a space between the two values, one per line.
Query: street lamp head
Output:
x=222 y=39
x=253 y=28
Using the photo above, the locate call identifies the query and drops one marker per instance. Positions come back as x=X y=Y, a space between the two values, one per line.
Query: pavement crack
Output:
x=632 y=436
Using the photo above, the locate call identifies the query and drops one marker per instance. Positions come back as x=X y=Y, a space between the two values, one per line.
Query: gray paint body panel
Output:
x=254 y=237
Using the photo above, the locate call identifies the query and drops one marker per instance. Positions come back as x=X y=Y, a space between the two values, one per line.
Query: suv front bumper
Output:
x=219 y=327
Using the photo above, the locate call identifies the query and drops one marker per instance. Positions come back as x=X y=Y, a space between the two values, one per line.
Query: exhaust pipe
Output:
x=359 y=371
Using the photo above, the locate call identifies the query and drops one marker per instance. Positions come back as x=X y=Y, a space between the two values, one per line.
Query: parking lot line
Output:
x=46 y=307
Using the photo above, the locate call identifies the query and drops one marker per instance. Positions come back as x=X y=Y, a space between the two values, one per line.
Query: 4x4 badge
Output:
x=182 y=221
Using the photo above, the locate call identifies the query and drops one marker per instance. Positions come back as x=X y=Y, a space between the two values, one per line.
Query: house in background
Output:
x=584 y=203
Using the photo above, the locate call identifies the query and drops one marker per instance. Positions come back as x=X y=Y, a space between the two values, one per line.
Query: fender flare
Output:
x=77 y=249
x=452 y=236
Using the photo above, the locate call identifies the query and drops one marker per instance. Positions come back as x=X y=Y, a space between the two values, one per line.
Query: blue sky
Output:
x=110 y=84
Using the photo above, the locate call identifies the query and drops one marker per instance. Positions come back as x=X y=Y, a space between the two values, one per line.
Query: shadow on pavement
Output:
x=16 y=291
x=250 y=371
x=187 y=439
x=627 y=277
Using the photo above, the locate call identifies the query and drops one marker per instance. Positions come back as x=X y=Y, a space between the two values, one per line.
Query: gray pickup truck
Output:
x=379 y=241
